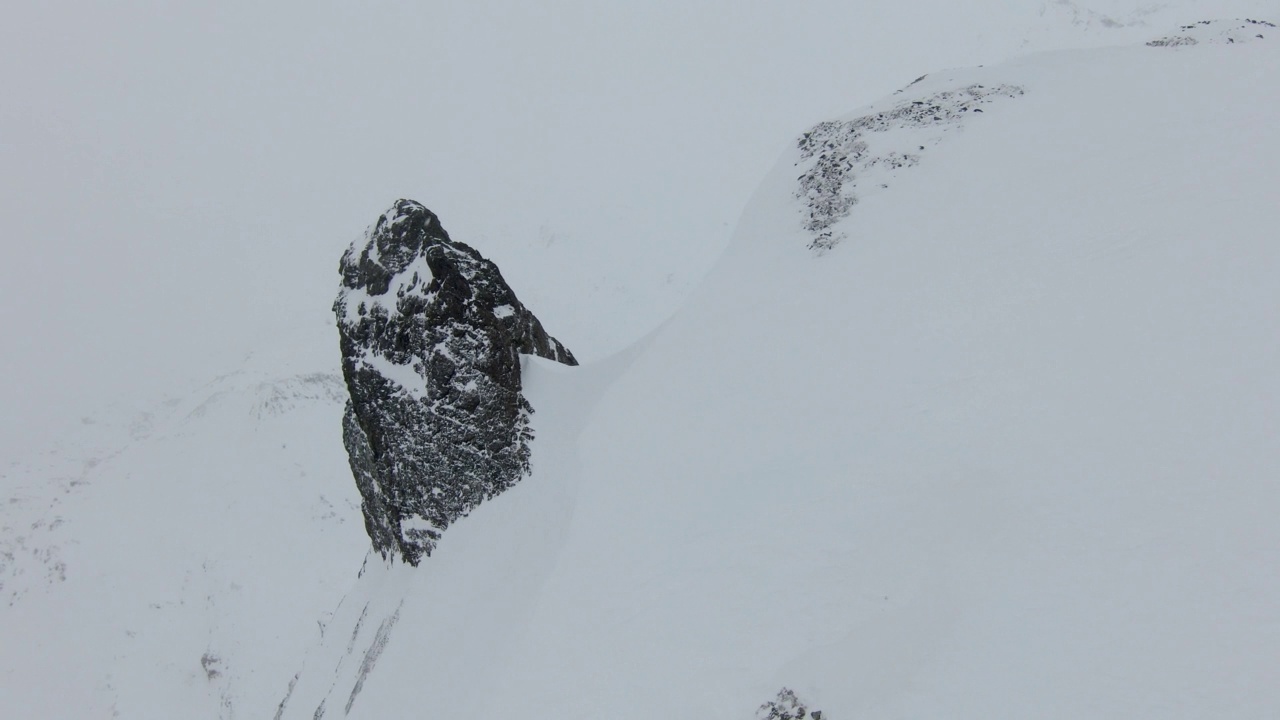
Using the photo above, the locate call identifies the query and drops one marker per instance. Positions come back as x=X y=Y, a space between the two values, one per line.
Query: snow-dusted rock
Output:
x=431 y=338
x=787 y=706
x=1221 y=32
x=841 y=159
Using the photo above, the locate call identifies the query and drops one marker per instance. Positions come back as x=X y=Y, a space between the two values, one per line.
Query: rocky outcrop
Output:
x=431 y=338
x=842 y=160
x=1217 y=32
x=787 y=707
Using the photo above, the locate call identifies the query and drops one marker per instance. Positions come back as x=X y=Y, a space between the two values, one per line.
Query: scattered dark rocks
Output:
x=836 y=154
x=1222 y=32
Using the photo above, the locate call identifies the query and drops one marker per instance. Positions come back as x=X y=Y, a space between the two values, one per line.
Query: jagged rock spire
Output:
x=431 y=337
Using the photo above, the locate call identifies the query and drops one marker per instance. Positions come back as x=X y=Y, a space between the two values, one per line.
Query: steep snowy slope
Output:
x=995 y=438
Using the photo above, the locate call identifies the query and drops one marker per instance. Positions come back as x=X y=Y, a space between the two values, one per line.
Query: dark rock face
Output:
x=431 y=339
x=1219 y=32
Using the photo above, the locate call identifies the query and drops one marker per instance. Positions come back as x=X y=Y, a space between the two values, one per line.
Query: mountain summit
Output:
x=431 y=338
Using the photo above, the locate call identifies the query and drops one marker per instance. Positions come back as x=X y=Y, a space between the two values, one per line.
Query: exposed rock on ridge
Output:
x=787 y=707
x=431 y=338
x=1220 y=32
x=843 y=159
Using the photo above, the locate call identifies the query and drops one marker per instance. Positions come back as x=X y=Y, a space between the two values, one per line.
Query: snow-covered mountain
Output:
x=975 y=416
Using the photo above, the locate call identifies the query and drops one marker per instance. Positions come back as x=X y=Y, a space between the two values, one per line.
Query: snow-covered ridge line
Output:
x=1221 y=32
x=842 y=159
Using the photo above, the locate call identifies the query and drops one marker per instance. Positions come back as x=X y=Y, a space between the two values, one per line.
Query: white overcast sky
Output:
x=179 y=179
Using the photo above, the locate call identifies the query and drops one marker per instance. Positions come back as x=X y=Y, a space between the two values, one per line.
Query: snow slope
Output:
x=1004 y=449
x=1008 y=449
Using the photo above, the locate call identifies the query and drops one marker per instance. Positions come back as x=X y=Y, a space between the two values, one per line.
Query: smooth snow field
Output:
x=1000 y=439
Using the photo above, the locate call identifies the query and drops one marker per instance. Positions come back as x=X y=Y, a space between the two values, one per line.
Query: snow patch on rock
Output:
x=431 y=338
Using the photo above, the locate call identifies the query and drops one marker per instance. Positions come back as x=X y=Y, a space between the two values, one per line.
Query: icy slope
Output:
x=1008 y=449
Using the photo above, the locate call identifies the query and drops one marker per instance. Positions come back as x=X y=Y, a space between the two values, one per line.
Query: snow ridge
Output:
x=1218 y=32
x=842 y=158
x=431 y=337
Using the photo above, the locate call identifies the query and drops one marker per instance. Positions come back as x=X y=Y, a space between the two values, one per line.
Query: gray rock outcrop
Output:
x=431 y=338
